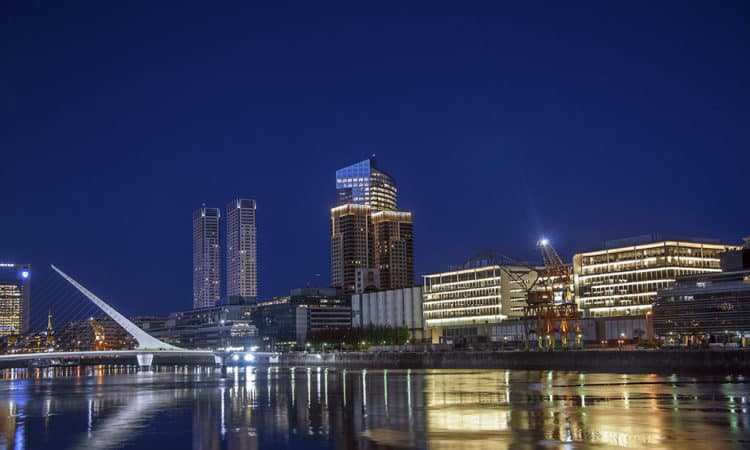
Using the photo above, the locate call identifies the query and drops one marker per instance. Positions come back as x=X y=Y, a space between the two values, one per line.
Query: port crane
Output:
x=550 y=306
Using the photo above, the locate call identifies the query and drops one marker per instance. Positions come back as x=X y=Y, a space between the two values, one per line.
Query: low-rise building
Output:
x=221 y=326
x=623 y=278
x=397 y=308
x=466 y=304
x=285 y=322
x=705 y=308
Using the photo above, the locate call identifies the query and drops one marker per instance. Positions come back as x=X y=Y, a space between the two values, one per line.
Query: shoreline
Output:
x=618 y=361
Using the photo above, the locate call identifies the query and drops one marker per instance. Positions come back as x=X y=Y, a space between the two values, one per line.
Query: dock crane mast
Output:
x=552 y=308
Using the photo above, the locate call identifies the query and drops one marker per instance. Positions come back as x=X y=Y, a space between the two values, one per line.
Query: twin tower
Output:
x=242 y=253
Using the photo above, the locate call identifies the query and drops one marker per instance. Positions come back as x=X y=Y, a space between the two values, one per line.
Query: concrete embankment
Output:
x=626 y=361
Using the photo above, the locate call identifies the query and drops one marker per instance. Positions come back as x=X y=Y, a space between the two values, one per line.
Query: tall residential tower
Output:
x=242 y=249
x=206 y=257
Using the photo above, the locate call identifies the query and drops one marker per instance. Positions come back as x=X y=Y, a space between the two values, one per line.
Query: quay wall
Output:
x=625 y=361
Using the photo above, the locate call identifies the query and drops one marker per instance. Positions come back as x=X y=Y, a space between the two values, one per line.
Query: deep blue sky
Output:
x=499 y=122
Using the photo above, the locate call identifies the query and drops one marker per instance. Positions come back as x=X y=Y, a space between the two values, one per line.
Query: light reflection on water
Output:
x=326 y=408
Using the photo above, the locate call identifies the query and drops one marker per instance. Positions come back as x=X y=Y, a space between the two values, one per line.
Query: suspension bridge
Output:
x=148 y=351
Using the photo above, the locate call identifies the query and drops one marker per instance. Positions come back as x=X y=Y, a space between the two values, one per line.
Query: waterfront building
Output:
x=319 y=296
x=213 y=327
x=206 y=254
x=394 y=248
x=352 y=244
x=705 y=308
x=285 y=322
x=242 y=249
x=397 y=308
x=15 y=298
x=363 y=183
x=623 y=278
x=468 y=303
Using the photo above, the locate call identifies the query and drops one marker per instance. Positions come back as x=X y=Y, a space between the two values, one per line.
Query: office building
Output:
x=705 y=308
x=15 y=298
x=396 y=308
x=467 y=303
x=394 y=248
x=352 y=244
x=214 y=327
x=372 y=244
x=623 y=278
x=242 y=249
x=285 y=322
x=206 y=257
x=365 y=184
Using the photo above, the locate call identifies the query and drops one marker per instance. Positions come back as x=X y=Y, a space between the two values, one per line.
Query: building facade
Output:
x=467 y=303
x=214 y=327
x=394 y=248
x=365 y=184
x=366 y=280
x=206 y=257
x=372 y=244
x=703 y=309
x=15 y=298
x=397 y=308
x=242 y=249
x=352 y=243
x=623 y=280
x=285 y=322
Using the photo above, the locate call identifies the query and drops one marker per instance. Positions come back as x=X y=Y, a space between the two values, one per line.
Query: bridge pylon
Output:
x=145 y=340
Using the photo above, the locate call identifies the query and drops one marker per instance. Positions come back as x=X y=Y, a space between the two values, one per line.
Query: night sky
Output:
x=500 y=123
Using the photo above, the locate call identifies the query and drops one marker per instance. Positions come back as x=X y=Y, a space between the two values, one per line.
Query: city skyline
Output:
x=470 y=126
x=485 y=225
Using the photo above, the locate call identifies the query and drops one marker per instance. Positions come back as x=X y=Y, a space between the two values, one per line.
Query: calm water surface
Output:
x=311 y=408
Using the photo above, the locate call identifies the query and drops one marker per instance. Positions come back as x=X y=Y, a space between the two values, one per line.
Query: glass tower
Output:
x=364 y=184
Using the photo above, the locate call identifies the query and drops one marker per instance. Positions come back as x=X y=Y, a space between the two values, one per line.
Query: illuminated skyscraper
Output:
x=372 y=244
x=364 y=184
x=15 y=296
x=352 y=244
x=242 y=263
x=206 y=254
x=394 y=249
